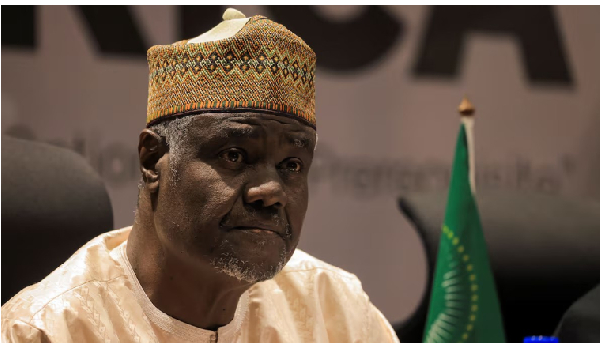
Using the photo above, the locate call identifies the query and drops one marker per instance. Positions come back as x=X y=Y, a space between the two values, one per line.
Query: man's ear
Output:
x=151 y=148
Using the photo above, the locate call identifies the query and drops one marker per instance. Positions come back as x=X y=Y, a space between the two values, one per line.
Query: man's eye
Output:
x=232 y=155
x=292 y=164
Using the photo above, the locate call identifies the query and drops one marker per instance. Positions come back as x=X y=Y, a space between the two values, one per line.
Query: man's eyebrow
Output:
x=298 y=139
x=242 y=132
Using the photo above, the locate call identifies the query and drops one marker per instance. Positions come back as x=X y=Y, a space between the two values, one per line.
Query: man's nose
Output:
x=268 y=193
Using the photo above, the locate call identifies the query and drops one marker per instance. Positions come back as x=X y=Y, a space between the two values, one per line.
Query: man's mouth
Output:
x=253 y=229
x=259 y=230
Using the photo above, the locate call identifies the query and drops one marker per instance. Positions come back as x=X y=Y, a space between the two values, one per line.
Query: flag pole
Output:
x=467 y=113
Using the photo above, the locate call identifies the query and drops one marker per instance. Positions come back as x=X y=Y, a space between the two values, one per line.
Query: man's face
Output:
x=236 y=198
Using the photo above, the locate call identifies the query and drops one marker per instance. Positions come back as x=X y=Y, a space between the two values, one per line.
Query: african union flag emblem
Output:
x=464 y=305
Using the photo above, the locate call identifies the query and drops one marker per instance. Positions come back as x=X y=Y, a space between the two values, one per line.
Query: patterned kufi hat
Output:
x=241 y=64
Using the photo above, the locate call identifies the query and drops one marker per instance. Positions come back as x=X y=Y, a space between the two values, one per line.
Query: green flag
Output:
x=464 y=305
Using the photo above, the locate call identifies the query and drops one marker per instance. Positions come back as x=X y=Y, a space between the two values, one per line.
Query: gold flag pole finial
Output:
x=467 y=111
x=466 y=108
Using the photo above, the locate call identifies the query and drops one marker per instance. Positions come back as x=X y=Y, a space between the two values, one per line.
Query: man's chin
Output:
x=251 y=268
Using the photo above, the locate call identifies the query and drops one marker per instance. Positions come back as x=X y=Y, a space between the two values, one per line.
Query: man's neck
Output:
x=199 y=296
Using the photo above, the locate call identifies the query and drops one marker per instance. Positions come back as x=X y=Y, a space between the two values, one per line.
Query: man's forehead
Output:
x=248 y=122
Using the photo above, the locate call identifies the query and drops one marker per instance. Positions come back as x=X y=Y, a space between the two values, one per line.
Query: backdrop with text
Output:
x=389 y=80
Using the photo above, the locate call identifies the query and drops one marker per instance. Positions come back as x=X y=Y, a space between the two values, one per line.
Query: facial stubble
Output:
x=229 y=262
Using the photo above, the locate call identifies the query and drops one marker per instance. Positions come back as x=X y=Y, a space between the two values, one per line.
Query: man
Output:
x=211 y=256
x=581 y=320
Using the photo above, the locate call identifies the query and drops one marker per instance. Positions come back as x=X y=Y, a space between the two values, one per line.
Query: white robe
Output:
x=95 y=297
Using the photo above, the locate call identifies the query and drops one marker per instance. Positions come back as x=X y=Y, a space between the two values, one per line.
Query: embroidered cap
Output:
x=241 y=64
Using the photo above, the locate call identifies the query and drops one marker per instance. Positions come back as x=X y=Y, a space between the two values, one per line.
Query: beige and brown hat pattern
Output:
x=241 y=64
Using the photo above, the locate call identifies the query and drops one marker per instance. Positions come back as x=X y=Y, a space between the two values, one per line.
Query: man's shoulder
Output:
x=304 y=262
x=304 y=268
x=322 y=298
x=88 y=265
